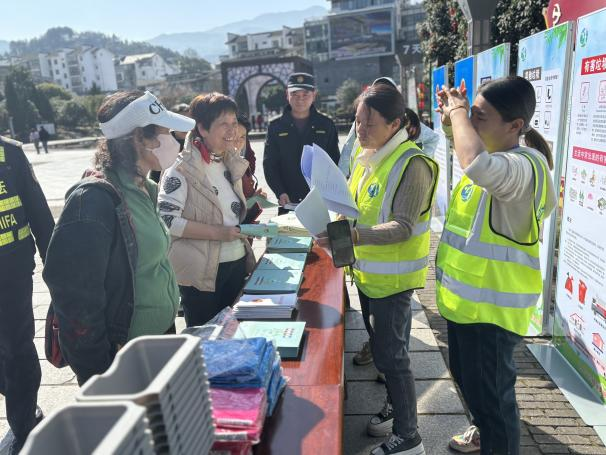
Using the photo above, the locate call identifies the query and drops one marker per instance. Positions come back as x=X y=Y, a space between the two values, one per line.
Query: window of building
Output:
x=84 y=78
x=66 y=85
x=143 y=73
x=80 y=57
x=64 y=75
x=56 y=71
x=56 y=62
x=49 y=63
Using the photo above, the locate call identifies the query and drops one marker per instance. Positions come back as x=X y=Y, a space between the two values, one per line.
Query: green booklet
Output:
x=273 y=282
x=287 y=244
x=259 y=230
x=263 y=202
x=286 y=336
x=282 y=261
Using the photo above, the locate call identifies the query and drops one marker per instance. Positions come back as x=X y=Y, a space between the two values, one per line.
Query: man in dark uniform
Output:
x=300 y=124
x=23 y=213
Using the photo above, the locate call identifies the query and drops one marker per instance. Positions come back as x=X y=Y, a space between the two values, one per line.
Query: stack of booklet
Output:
x=287 y=244
x=274 y=306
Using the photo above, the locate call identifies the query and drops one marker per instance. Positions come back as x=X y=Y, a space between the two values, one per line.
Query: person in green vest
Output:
x=488 y=273
x=393 y=184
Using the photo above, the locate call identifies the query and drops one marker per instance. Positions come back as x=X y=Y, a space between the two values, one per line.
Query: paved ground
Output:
x=550 y=425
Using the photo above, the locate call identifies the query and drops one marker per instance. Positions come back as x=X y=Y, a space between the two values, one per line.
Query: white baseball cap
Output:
x=145 y=110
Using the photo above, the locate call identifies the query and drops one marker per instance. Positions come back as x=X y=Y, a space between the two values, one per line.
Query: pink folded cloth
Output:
x=239 y=414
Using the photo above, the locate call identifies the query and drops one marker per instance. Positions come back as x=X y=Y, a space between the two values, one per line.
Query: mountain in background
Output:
x=64 y=37
x=4 y=47
x=210 y=44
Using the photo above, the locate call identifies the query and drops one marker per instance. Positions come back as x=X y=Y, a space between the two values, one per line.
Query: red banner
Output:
x=594 y=65
x=589 y=156
x=560 y=11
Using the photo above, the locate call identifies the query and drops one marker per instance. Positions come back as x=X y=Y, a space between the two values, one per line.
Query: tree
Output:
x=193 y=65
x=514 y=20
x=272 y=96
x=347 y=93
x=51 y=90
x=20 y=95
x=73 y=114
x=94 y=90
x=443 y=33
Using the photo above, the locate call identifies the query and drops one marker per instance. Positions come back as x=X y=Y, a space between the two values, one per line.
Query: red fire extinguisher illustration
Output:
x=569 y=283
x=582 y=291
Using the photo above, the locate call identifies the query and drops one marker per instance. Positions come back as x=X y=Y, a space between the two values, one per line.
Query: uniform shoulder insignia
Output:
x=9 y=141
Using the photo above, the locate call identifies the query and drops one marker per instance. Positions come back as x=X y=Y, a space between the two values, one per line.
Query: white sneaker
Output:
x=467 y=442
x=397 y=445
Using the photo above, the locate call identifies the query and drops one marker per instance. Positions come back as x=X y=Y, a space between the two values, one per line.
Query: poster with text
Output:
x=580 y=319
x=439 y=77
x=464 y=70
x=543 y=59
x=492 y=64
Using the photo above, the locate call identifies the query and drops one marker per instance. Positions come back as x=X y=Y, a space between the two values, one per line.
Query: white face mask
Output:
x=167 y=151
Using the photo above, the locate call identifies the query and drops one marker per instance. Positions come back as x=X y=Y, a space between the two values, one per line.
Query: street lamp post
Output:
x=478 y=14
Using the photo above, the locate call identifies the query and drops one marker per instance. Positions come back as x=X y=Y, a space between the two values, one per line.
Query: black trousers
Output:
x=19 y=366
x=482 y=364
x=199 y=307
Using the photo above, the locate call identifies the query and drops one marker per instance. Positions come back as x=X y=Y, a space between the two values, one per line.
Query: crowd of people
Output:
x=155 y=225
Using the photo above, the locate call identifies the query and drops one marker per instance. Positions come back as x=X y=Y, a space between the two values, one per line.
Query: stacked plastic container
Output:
x=167 y=376
x=98 y=428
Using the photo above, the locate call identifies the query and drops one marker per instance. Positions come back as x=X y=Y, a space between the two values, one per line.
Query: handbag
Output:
x=52 y=349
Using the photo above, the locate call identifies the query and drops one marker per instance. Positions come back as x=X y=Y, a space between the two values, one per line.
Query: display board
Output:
x=543 y=60
x=492 y=64
x=439 y=77
x=362 y=34
x=580 y=320
x=464 y=70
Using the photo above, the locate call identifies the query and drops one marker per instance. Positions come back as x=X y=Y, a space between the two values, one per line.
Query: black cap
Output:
x=301 y=81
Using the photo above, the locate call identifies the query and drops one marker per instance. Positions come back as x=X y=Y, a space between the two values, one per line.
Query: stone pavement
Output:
x=550 y=425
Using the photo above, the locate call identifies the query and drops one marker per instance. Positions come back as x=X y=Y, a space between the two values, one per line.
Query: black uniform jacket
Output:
x=24 y=213
x=284 y=146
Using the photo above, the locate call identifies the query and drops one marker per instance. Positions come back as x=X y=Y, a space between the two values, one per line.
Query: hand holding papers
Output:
x=263 y=202
x=259 y=230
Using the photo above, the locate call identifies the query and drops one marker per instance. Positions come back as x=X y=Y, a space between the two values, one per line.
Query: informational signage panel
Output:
x=492 y=64
x=543 y=59
x=464 y=70
x=580 y=320
x=439 y=78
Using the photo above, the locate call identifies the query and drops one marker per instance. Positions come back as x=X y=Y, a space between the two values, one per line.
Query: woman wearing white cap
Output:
x=107 y=267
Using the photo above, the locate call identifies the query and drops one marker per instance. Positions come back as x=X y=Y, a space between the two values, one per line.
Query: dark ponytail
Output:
x=388 y=101
x=533 y=139
x=513 y=97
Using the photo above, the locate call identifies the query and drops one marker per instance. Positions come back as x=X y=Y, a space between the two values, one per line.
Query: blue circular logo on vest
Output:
x=373 y=190
x=466 y=193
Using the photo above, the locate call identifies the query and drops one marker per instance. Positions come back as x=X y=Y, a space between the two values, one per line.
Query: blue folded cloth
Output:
x=239 y=363
x=276 y=386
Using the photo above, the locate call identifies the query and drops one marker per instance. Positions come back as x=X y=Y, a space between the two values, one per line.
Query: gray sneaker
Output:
x=363 y=356
x=397 y=445
x=381 y=424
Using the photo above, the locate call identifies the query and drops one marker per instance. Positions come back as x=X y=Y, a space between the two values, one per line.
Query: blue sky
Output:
x=134 y=20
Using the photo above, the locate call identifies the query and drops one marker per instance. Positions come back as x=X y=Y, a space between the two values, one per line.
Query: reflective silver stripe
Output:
x=392 y=184
x=418 y=229
x=391 y=268
x=539 y=172
x=488 y=251
x=481 y=295
x=421 y=228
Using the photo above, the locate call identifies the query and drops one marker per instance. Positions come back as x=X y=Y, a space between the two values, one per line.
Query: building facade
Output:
x=278 y=43
x=77 y=70
x=142 y=70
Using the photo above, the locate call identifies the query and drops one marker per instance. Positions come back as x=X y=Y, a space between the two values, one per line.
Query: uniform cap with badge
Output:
x=300 y=81
x=145 y=110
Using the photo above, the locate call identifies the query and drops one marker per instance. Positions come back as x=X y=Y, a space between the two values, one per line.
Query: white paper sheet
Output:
x=313 y=213
x=332 y=185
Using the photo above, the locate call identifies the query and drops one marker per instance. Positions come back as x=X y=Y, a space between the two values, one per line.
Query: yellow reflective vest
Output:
x=384 y=270
x=481 y=275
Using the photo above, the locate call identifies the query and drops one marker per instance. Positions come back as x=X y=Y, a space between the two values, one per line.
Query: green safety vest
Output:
x=481 y=275
x=384 y=270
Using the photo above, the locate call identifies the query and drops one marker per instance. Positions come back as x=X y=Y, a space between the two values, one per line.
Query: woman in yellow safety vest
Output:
x=488 y=274
x=393 y=184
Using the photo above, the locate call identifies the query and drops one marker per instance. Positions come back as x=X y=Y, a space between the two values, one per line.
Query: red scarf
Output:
x=202 y=149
